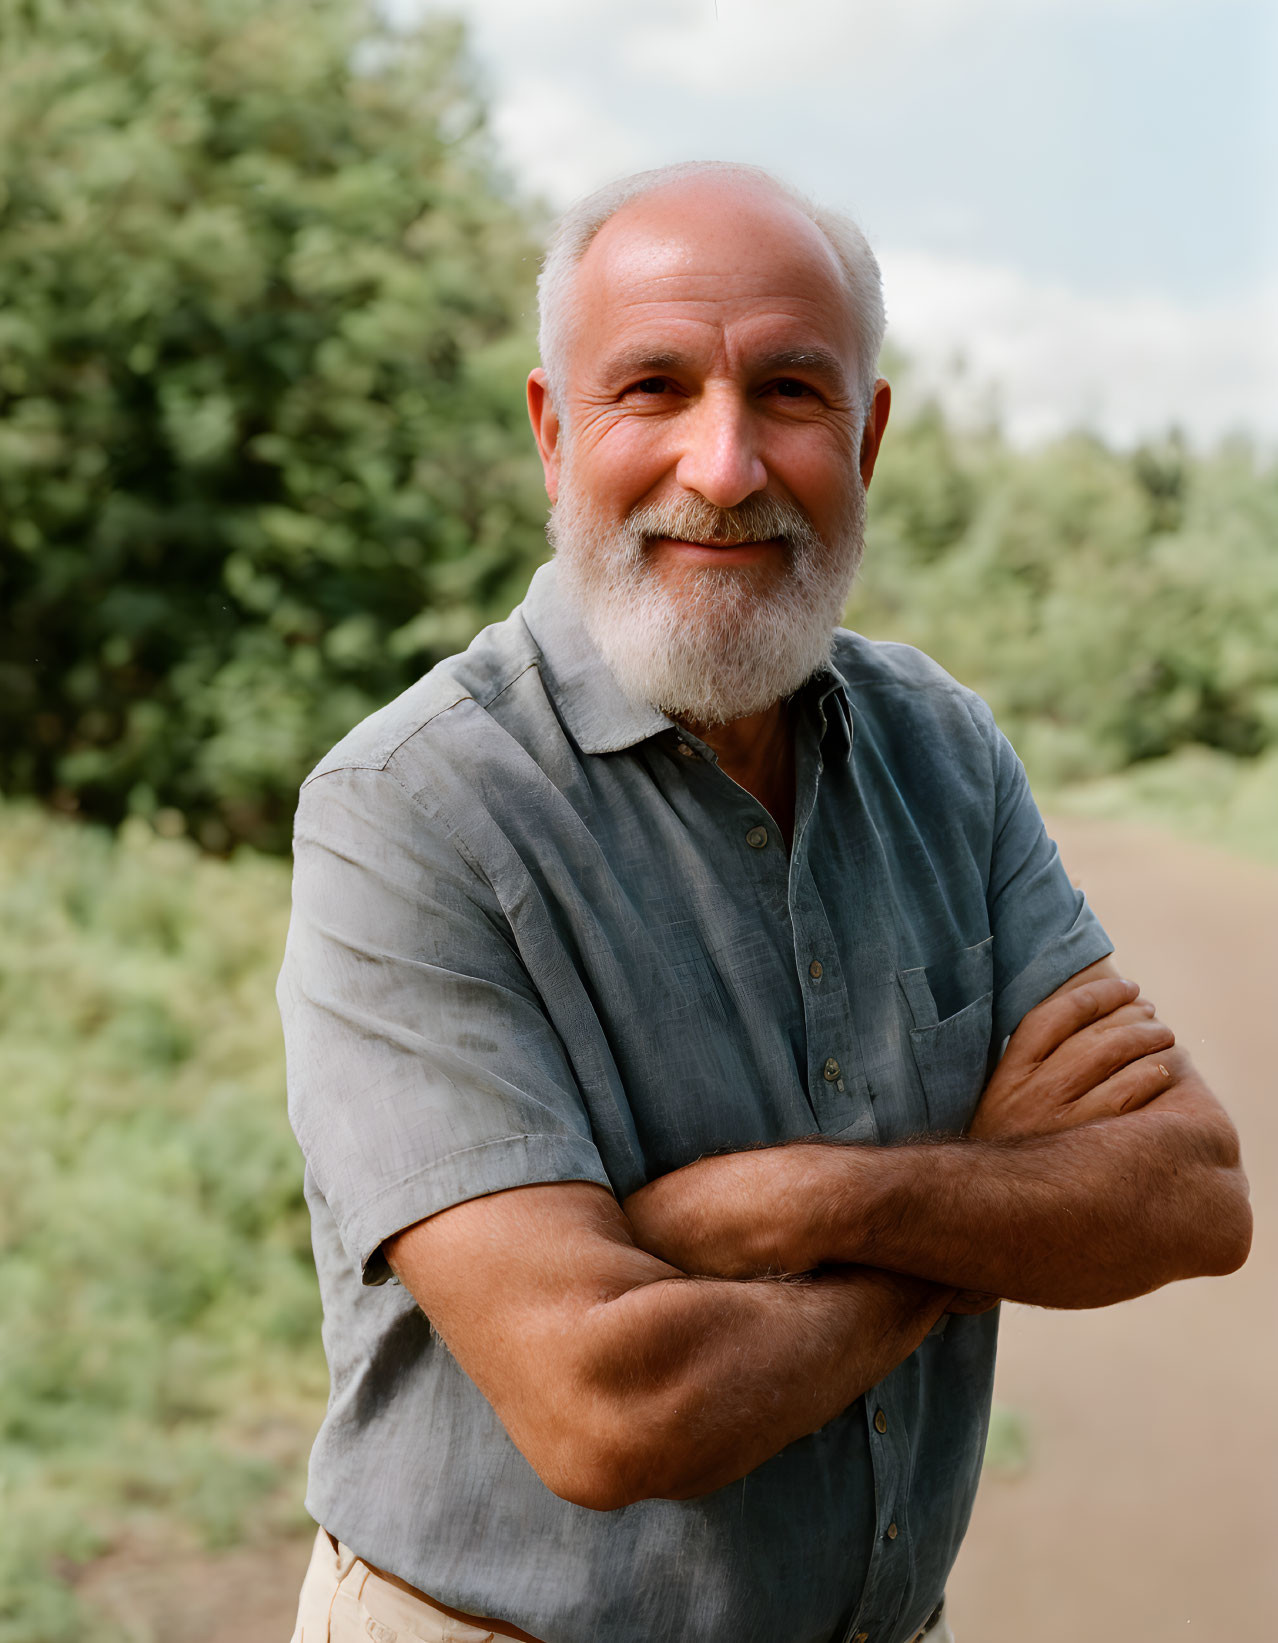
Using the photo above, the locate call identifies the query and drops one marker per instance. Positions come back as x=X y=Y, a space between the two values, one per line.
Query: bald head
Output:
x=693 y=226
x=707 y=225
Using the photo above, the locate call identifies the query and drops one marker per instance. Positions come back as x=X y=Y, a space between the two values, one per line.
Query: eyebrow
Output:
x=821 y=361
x=640 y=362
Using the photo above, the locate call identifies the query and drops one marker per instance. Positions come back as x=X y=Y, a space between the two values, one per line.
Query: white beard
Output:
x=719 y=646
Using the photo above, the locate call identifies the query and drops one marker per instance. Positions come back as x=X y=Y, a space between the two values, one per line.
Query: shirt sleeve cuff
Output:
x=474 y=1172
x=1051 y=967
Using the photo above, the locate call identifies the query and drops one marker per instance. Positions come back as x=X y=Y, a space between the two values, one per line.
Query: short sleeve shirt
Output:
x=539 y=935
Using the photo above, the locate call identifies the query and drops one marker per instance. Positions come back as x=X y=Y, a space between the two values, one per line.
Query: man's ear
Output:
x=875 y=423
x=545 y=427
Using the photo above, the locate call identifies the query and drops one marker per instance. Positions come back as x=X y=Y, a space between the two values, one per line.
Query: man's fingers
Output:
x=1141 y=1010
x=1046 y=1027
x=1099 y=1051
x=1132 y=1087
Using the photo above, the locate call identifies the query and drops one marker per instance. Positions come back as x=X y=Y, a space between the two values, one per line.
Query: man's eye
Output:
x=650 y=385
x=788 y=388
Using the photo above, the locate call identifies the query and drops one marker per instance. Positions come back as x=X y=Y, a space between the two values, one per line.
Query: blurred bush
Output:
x=1112 y=607
x=265 y=309
x=264 y=318
x=159 y=1320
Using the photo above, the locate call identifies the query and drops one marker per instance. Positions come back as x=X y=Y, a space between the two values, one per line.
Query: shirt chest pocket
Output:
x=951 y=1006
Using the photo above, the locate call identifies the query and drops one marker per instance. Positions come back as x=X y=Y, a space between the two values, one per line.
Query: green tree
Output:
x=1113 y=608
x=264 y=314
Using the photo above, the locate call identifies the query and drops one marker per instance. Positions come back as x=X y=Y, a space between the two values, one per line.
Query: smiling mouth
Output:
x=717 y=544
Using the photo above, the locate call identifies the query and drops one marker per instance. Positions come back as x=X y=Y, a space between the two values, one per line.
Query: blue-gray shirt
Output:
x=538 y=935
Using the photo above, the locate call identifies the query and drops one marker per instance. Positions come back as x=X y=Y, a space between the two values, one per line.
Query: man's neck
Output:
x=758 y=753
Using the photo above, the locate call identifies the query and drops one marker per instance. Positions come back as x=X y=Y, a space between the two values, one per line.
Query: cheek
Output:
x=816 y=466
x=622 y=459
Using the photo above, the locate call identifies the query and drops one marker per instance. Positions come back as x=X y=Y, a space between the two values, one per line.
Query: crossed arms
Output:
x=664 y=1347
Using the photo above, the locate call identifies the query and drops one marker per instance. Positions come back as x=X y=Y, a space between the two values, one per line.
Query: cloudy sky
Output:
x=1075 y=202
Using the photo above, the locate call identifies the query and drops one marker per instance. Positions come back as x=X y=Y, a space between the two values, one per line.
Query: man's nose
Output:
x=720 y=459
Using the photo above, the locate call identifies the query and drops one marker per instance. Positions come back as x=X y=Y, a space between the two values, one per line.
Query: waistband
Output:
x=499 y=1628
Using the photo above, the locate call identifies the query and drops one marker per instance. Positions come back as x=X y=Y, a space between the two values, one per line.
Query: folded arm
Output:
x=619 y=1377
x=427 y=1083
x=1099 y=1167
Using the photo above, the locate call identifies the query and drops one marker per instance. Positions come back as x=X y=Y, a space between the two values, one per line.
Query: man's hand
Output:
x=1094 y=1050
x=1101 y=1168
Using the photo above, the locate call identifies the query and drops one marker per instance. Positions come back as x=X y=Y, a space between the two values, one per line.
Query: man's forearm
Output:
x=715 y=1377
x=620 y=1377
x=1081 y=1218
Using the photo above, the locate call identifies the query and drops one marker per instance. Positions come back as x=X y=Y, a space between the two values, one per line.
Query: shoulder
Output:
x=449 y=702
x=893 y=684
x=470 y=752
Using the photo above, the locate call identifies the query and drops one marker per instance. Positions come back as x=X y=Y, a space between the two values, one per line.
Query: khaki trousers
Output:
x=344 y=1601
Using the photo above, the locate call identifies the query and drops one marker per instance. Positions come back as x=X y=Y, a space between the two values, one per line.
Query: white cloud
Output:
x=583 y=91
x=1053 y=358
x=558 y=141
x=763 y=45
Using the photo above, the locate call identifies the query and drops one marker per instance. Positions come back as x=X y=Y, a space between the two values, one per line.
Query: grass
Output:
x=159 y=1344
x=1198 y=793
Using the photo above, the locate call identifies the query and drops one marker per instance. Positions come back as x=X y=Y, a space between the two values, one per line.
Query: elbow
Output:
x=615 y=1460
x=599 y=1477
x=1227 y=1242
x=596 y=1488
x=1217 y=1221
x=1227 y=1222
x=1215 y=1203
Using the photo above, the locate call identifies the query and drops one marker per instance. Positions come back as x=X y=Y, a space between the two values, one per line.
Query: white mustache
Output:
x=693 y=519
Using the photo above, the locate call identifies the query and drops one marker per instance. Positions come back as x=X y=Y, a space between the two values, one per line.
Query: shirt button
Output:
x=816 y=969
x=892 y=1531
x=880 y=1421
x=831 y=1070
x=688 y=751
x=757 y=837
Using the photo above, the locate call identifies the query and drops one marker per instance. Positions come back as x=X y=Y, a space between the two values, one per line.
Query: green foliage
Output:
x=1112 y=608
x=265 y=307
x=263 y=324
x=1007 y=1445
x=1196 y=792
x=159 y=1322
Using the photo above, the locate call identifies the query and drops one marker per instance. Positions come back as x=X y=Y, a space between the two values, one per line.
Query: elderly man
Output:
x=659 y=950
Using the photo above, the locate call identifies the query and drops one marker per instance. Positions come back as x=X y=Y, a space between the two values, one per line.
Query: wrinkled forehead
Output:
x=707 y=260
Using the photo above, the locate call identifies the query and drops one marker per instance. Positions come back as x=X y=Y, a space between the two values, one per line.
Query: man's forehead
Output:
x=702 y=225
x=698 y=257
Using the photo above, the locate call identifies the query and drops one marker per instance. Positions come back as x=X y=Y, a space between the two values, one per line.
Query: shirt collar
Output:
x=829 y=698
x=600 y=715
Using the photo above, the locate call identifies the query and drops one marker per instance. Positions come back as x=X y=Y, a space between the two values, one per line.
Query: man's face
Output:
x=708 y=485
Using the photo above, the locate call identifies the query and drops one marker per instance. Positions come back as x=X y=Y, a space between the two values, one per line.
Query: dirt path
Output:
x=1149 y=1509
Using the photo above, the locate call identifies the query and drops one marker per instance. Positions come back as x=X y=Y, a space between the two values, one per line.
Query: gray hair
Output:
x=573 y=233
